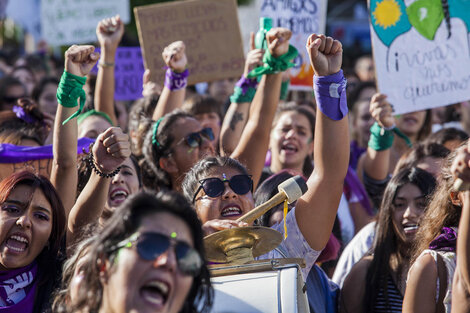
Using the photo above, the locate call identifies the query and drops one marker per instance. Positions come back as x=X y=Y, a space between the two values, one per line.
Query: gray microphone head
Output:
x=293 y=187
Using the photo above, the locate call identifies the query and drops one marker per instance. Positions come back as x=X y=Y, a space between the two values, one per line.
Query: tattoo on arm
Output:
x=236 y=118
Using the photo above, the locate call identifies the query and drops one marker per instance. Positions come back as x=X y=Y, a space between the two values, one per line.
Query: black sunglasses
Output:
x=151 y=245
x=214 y=187
x=194 y=140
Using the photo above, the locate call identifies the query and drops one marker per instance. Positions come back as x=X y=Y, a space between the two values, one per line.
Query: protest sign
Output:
x=302 y=17
x=128 y=73
x=66 y=22
x=209 y=29
x=421 y=52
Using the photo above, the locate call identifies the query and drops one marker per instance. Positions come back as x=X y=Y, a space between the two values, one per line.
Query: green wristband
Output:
x=240 y=97
x=69 y=90
x=274 y=65
x=380 y=138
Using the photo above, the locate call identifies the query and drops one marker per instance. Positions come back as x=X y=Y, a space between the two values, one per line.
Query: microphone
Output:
x=291 y=189
x=460 y=185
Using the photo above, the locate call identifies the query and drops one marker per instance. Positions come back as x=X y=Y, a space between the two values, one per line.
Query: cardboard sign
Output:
x=42 y=167
x=35 y=159
x=66 y=22
x=209 y=29
x=302 y=18
x=421 y=52
x=128 y=73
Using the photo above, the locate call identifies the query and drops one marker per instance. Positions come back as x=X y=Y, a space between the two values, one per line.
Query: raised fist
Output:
x=175 y=57
x=109 y=32
x=326 y=54
x=278 y=41
x=79 y=60
x=111 y=149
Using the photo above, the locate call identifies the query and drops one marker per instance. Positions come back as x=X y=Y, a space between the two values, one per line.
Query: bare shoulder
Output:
x=421 y=287
x=353 y=291
x=425 y=265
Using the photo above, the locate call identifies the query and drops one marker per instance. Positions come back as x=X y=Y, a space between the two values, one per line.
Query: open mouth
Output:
x=155 y=293
x=289 y=148
x=17 y=243
x=410 y=228
x=231 y=211
x=119 y=195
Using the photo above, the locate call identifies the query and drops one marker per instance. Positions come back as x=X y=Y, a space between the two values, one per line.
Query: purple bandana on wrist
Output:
x=330 y=93
x=446 y=241
x=21 y=114
x=246 y=83
x=176 y=81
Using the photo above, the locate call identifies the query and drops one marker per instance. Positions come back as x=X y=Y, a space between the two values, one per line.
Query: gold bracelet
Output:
x=105 y=64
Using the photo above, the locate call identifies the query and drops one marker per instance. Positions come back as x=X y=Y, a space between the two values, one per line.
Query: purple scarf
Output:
x=18 y=289
x=16 y=154
x=446 y=241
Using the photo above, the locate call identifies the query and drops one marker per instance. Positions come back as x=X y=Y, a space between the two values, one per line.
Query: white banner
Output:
x=302 y=17
x=421 y=52
x=66 y=22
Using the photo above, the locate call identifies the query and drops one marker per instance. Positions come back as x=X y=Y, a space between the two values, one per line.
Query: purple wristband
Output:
x=247 y=83
x=176 y=81
x=330 y=93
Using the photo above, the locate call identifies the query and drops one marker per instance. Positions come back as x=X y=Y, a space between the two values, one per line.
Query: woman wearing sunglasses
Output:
x=148 y=258
x=221 y=188
x=177 y=141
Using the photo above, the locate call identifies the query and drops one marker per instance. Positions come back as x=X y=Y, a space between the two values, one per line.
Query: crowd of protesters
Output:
x=117 y=223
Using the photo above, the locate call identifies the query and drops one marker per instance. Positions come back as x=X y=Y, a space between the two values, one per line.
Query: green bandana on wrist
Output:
x=69 y=90
x=382 y=139
x=240 y=97
x=274 y=65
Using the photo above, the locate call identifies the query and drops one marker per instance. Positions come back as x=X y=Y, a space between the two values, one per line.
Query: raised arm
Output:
x=238 y=111
x=316 y=209
x=461 y=282
x=109 y=32
x=253 y=145
x=109 y=151
x=173 y=93
x=79 y=60
x=375 y=162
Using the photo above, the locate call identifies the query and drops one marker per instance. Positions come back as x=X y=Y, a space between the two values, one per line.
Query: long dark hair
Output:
x=122 y=225
x=49 y=256
x=387 y=242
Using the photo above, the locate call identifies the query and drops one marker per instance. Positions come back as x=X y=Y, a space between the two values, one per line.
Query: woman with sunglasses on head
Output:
x=148 y=258
x=32 y=225
x=177 y=140
x=221 y=188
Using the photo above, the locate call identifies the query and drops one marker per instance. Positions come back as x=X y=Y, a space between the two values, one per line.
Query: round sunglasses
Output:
x=151 y=245
x=194 y=140
x=214 y=186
